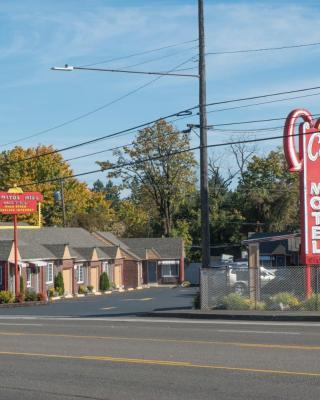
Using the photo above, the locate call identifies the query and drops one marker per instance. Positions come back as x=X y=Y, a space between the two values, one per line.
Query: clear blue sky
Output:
x=38 y=34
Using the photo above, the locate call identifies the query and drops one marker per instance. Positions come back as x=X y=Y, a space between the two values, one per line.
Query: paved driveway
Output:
x=117 y=304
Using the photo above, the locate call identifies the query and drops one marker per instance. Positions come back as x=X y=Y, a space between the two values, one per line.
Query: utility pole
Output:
x=63 y=203
x=205 y=228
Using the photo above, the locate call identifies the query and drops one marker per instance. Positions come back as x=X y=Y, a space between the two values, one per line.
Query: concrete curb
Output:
x=235 y=317
x=24 y=304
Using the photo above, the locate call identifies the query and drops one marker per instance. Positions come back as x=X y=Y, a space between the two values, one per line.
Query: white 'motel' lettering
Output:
x=315 y=205
x=313 y=156
x=315 y=189
x=316 y=215
x=315 y=202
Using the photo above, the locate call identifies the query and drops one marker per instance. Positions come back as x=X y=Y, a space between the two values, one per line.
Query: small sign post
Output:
x=16 y=202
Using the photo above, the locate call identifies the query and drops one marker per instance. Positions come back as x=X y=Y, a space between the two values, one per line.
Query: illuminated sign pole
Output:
x=15 y=202
x=306 y=161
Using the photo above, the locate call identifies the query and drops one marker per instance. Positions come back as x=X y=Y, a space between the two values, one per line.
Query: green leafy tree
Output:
x=104 y=283
x=98 y=186
x=43 y=168
x=134 y=219
x=159 y=179
x=59 y=284
x=98 y=215
x=269 y=194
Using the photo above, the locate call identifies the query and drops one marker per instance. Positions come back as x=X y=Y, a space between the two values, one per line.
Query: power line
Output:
x=94 y=110
x=263 y=102
x=295 y=46
x=141 y=53
x=254 y=121
x=261 y=96
x=142 y=126
x=130 y=163
x=117 y=147
x=160 y=58
x=187 y=111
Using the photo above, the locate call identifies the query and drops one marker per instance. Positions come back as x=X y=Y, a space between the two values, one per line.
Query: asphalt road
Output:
x=117 y=304
x=130 y=357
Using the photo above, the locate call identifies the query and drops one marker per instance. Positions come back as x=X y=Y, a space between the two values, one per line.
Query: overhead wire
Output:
x=94 y=110
x=263 y=49
x=141 y=53
x=148 y=159
x=187 y=110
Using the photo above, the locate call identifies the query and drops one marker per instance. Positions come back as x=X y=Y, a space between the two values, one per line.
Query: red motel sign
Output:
x=306 y=161
x=19 y=203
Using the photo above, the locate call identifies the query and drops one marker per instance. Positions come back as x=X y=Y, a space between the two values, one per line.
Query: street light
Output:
x=124 y=71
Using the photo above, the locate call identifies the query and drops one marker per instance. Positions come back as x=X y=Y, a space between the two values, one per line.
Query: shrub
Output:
x=185 y=284
x=19 y=298
x=30 y=295
x=90 y=288
x=41 y=297
x=51 y=293
x=59 y=284
x=235 y=301
x=82 y=289
x=104 y=282
x=5 y=297
x=312 y=304
x=285 y=301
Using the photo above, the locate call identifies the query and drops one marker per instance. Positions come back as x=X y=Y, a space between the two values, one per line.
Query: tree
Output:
x=158 y=179
x=134 y=219
x=269 y=194
x=59 y=284
x=98 y=186
x=98 y=215
x=43 y=168
x=104 y=283
x=111 y=191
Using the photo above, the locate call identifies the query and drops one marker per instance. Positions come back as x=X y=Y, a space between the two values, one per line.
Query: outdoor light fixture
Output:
x=65 y=68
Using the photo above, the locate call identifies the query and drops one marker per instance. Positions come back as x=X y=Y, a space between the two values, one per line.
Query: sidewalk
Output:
x=237 y=315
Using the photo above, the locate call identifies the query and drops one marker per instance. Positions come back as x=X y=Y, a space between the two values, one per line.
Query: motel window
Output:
x=80 y=273
x=49 y=273
x=169 y=268
x=28 y=271
x=105 y=267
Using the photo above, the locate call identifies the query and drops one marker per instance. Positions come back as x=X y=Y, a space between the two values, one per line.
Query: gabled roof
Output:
x=5 y=249
x=35 y=252
x=54 y=235
x=164 y=248
x=107 y=252
x=112 y=240
x=167 y=248
x=58 y=250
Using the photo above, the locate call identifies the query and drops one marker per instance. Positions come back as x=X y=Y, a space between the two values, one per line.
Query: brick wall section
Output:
x=130 y=274
x=3 y=266
x=145 y=272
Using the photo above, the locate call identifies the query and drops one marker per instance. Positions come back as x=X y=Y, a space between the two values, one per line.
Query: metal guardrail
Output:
x=274 y=288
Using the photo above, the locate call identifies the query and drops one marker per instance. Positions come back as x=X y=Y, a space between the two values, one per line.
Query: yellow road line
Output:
x=176 y=341
x=141 y=361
